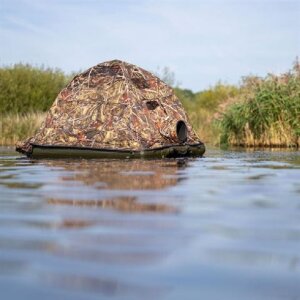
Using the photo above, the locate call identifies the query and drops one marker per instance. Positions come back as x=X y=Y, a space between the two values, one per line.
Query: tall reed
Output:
x=16 y=127
x=265 y=113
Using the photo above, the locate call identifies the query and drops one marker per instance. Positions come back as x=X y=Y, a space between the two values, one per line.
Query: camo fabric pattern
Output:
x=114 y=105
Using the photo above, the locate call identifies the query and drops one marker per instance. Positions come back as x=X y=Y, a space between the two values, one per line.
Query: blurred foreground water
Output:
x=226 y=226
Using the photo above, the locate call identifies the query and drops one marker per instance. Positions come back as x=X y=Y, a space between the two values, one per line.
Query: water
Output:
x=226 y=226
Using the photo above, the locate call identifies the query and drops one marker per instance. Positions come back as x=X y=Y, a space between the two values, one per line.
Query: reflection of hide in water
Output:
x=120 y=175
x=124 y=204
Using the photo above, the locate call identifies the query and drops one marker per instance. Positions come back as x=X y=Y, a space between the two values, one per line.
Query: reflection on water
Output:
x=121 y=174
x=221 y=227
x=118 y=175
x=123 y=204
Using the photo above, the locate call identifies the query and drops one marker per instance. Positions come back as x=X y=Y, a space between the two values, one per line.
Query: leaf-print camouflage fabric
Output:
x=113 y=105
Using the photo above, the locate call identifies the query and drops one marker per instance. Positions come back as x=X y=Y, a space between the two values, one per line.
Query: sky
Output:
x=202 y=41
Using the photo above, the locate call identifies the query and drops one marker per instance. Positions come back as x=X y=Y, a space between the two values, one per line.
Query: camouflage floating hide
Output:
x=115 y=109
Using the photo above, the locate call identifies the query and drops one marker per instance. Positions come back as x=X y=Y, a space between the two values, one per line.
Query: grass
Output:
x=16 y=127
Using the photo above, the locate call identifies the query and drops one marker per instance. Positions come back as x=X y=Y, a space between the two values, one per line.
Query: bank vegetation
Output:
x=260 y=112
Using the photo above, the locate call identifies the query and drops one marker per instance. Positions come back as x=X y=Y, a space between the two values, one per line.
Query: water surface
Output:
x=226 y=226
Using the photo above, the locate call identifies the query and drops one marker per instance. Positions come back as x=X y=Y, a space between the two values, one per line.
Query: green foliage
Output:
x=202 y=107
x=266 y=113
x=24 y=88
x=211 y=98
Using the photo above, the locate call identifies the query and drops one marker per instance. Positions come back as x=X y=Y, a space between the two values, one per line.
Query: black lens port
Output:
x=181 y=131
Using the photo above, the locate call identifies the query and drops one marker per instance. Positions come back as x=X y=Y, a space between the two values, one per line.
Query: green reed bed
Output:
x=265 y=113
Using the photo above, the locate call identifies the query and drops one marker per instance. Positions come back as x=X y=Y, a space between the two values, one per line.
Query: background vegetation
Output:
x=258 y=112
x=24 y=88
x=202 y=108
x=266 y=112
x=17 y=127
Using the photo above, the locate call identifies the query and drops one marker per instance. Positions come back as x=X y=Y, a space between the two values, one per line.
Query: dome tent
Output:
x=114 y=109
